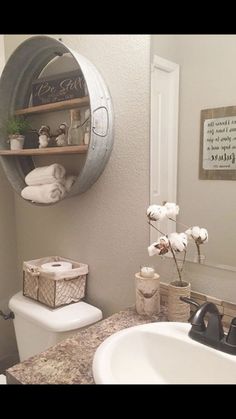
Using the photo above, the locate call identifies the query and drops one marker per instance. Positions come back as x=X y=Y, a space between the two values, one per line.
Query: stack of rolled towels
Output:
x=47 y=184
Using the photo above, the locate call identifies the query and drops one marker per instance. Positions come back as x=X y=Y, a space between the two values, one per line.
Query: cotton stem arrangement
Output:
x=174 y=242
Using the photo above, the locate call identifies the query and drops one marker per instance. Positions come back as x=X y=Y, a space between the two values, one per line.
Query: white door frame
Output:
x=2 y=53
x=168 y=191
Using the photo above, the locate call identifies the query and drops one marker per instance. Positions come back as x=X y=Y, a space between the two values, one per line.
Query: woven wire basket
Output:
x=54 y=289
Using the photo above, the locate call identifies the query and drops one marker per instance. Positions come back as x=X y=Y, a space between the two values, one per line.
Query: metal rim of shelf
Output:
x=24 y=65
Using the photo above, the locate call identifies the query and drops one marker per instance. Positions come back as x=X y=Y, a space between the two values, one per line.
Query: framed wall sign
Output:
x=58 y=88
x=218 y=144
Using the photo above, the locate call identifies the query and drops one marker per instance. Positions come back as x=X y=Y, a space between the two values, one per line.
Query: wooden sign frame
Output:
x=57 y=88
x=217 y=160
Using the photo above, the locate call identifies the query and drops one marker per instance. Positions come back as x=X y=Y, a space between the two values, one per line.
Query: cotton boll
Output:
x=174 y=241
x=189 y=233
x=156 y=212
x=153 y=250
x=184 y=238
x=163 y=240
x=172 y=237
x=161 y=247
x=171 y=209
x=178 y=241
x=200 y=235
x=203 y=236
x=195 y=232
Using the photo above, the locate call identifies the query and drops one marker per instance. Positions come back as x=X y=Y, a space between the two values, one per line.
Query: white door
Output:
x=164 y=137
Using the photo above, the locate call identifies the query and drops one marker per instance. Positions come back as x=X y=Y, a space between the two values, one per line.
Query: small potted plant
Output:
x=16 y=128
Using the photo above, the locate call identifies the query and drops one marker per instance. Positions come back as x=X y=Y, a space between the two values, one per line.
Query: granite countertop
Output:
x=70 y=361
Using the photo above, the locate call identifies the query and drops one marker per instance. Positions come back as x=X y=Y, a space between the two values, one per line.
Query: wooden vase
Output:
x=178 y=311
x=147 y=294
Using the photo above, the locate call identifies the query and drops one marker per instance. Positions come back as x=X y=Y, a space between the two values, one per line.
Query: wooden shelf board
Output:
x=80 y=149
x=57 y=106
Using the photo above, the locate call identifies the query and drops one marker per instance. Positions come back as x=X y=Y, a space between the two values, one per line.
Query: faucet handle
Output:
x=231 y=337
x=190 y=301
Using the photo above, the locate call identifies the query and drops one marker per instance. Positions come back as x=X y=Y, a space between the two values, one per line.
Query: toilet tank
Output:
x=37 y=327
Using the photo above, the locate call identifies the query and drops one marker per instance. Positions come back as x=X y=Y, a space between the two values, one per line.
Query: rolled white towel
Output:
x=46 y=174
x=44 y=194
x=68 y=182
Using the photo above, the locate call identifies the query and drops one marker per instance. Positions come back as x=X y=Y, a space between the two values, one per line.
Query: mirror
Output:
x=207 y=81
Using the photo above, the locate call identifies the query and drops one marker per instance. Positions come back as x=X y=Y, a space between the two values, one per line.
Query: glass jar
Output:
x=87 y=132
x=178 y=311
x=76 y=131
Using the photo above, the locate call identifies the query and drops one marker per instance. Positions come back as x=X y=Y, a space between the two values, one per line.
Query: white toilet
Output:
x=3 y=379
x=38 y=327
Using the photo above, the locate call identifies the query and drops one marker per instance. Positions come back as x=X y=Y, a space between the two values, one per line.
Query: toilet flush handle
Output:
x=11 y=315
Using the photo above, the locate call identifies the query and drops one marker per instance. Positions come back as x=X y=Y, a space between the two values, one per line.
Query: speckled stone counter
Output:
x=70 y=361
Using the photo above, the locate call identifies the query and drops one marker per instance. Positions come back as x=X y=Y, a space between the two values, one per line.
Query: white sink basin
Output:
x=160 y=353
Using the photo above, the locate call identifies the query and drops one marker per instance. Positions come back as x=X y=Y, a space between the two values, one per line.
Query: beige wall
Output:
x=8 y=278
x=166 y=46
x=207 y=80
x=106 y=226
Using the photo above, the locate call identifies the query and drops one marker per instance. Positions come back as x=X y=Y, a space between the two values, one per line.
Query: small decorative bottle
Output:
x=75 y=132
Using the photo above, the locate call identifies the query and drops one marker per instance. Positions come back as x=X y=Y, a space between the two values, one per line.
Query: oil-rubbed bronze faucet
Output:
x=211 y=334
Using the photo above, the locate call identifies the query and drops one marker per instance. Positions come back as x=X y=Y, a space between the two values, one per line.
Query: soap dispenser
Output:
x=147 y=291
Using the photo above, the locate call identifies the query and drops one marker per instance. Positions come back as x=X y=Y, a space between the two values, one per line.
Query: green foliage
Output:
x=17 y=125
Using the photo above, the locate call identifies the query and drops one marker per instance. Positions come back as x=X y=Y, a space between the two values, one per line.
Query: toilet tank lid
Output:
x=62 y=319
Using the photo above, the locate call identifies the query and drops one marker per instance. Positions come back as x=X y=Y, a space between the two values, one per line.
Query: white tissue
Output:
x=59 y=266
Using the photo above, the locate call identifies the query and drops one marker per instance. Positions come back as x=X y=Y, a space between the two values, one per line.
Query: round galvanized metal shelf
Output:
x=24 y=66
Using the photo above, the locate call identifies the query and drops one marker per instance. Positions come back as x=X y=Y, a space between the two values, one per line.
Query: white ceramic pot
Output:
x=16 y=142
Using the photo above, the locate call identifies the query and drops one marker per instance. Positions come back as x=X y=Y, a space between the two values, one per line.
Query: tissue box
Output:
x=56 y=287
